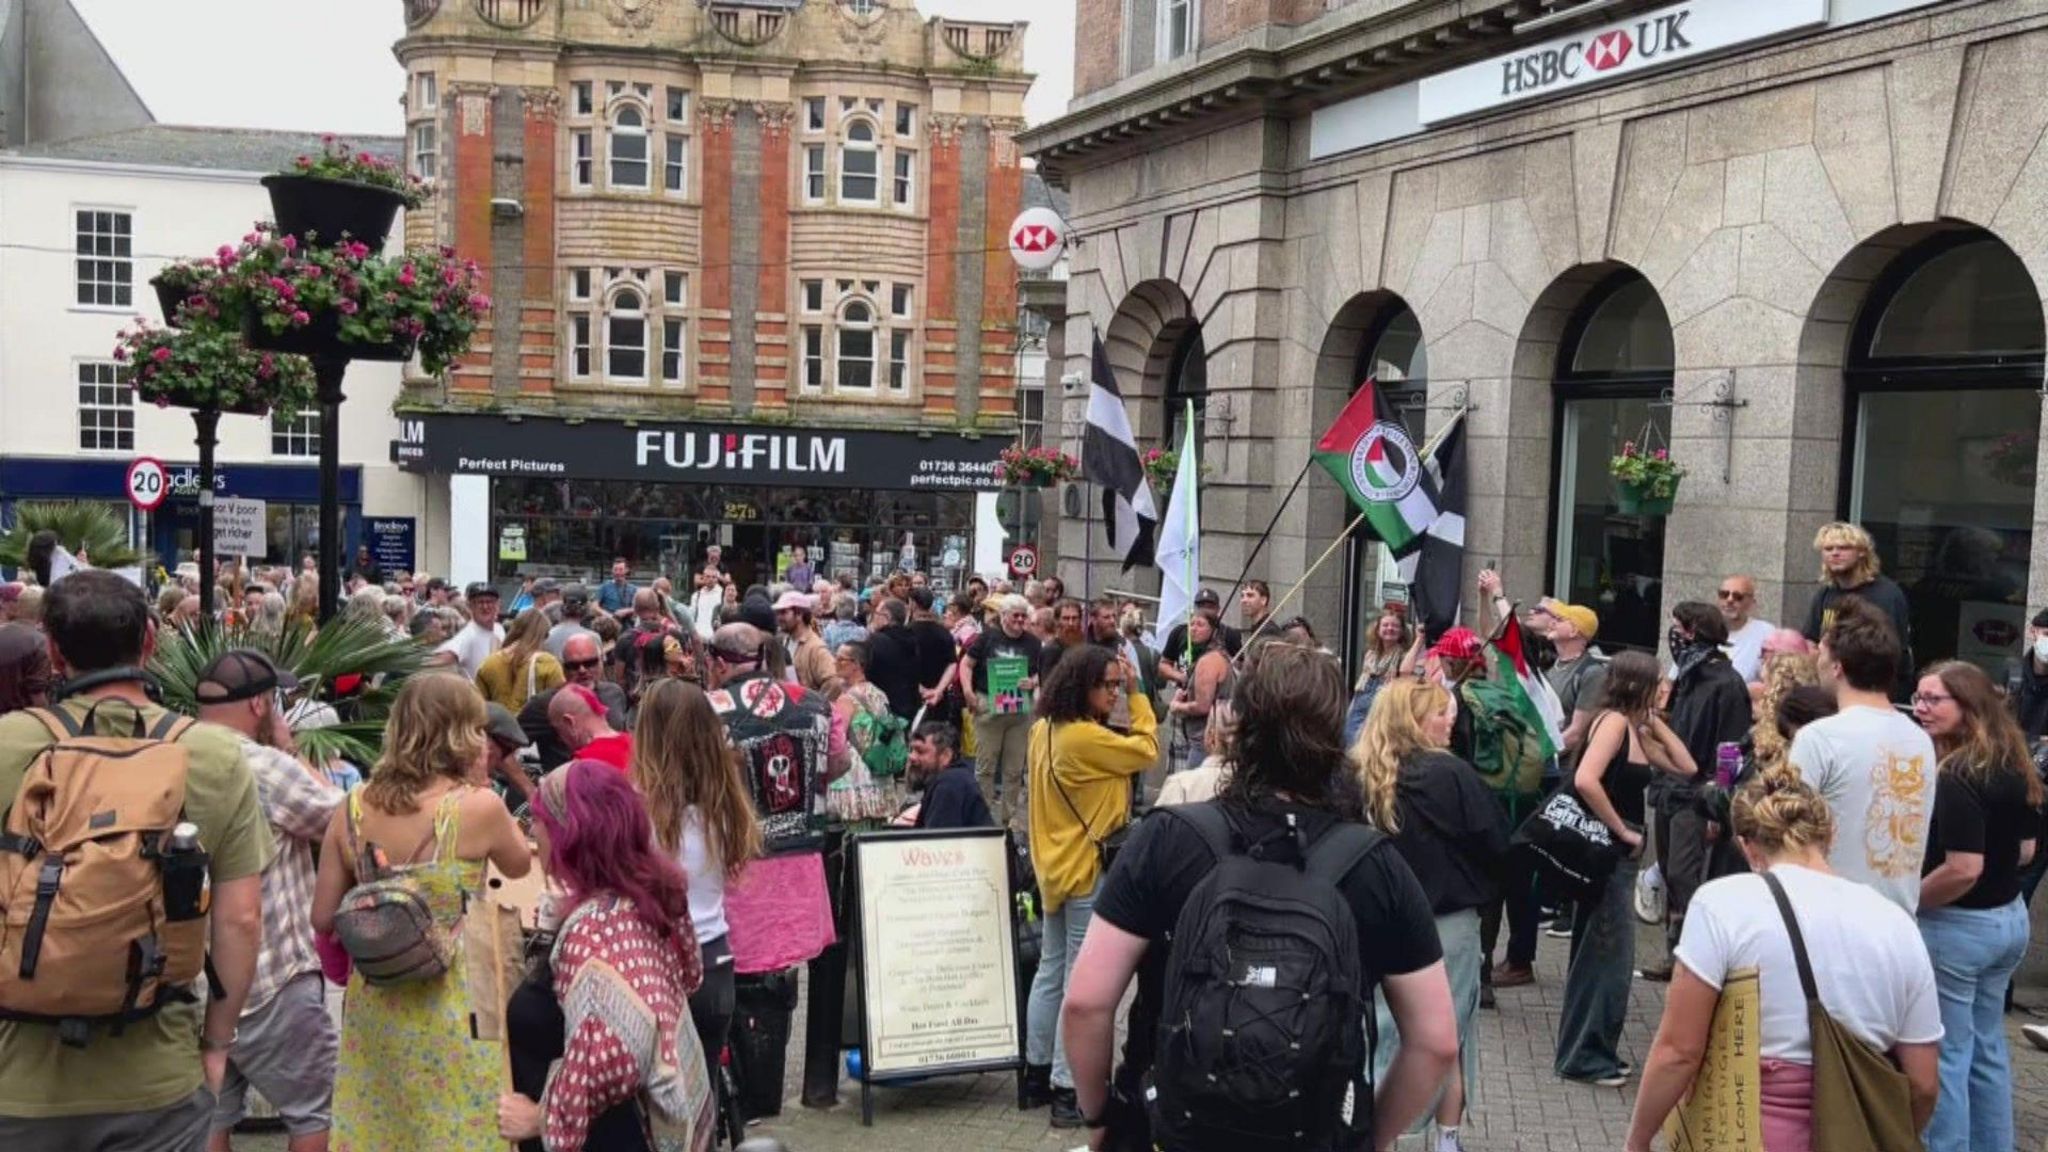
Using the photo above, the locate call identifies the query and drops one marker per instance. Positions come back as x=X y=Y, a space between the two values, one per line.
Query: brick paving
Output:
x=1519 y=1106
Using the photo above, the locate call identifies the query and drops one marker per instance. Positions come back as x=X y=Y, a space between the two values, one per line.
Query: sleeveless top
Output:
x=1625 y=780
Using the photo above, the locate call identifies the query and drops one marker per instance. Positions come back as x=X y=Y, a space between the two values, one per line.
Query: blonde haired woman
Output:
x=523 y=668
x=704 y=817
x=1784 y=673
x=1849 y=567
x=412 y=1077
x=1452 y=832
x=1869 y=968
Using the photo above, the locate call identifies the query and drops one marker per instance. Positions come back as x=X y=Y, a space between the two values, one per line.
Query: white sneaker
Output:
x=1447 y=1140
x=2036 y=1034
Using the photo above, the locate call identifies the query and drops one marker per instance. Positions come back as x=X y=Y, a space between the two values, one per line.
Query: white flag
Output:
x=1180 y=538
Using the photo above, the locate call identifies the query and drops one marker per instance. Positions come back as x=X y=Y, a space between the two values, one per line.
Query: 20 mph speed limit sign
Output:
x=148 y=483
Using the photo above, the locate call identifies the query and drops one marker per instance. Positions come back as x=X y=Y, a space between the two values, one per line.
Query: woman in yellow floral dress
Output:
x=411 y=1078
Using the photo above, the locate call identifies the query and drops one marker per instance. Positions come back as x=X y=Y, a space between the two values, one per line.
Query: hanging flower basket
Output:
x=181 y=282
x=1162 y=465
x=205 y=365
x=342 y=300
x=1037 y=467
x=1645 y=482
x=339 y=194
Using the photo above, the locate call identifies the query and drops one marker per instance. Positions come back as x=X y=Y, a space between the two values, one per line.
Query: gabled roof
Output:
x=215 y=149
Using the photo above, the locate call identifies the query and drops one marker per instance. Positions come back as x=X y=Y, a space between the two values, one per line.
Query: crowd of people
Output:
x=1305 y=877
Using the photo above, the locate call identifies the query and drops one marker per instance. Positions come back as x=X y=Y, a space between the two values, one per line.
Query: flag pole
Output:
x=1188 y=448
x=1270 y=525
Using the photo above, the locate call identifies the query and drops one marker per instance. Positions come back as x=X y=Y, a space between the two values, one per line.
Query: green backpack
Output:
x=884 y=741
x=1507 y=752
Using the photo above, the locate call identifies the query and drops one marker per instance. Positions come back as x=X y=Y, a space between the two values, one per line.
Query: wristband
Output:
x=207 y=1045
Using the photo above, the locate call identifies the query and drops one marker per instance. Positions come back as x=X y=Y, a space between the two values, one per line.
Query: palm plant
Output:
x=93 y=531
x=344 y=647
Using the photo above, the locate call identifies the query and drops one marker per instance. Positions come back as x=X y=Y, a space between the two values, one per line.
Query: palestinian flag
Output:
x=1534 y=700
x=1369 y=454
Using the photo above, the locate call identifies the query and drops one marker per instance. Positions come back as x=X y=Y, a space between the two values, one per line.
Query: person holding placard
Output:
x=998 y=686
x=1863 y=951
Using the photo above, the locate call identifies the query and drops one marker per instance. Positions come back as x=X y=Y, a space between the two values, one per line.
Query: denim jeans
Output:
x=1361 y=707
x=1596 y=988
x=1975 y=951
x=1458 y=932
x=1044 y=1037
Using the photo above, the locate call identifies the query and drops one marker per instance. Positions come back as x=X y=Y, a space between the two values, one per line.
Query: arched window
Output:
x=1943 y=410
x=1187 y=379
x=628 y=148
x=625 y=337
x=859 y=164
x=856 y=334
x=1613 y=386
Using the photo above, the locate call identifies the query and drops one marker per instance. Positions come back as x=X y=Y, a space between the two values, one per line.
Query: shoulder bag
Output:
x=1860 y=1098
x=1106 y=847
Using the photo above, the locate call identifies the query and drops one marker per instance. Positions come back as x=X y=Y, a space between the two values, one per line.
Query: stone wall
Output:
x=1759 y=196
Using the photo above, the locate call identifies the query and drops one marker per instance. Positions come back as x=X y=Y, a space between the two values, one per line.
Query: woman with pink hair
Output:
x=604 y=1055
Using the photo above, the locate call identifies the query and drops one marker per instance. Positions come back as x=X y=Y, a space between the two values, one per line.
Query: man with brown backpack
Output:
x=130 y=884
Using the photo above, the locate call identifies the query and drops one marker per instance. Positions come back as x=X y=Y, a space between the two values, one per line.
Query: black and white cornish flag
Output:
x=1109 y=457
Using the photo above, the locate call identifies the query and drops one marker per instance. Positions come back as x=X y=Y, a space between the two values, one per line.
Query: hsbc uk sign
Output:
x=1653 y=39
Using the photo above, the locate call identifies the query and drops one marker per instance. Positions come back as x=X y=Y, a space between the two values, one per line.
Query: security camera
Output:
x=1072 y=383
x=506 y=209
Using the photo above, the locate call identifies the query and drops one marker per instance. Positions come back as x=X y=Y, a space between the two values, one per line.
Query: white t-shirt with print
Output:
x=1869 y=964
x=1876 y=769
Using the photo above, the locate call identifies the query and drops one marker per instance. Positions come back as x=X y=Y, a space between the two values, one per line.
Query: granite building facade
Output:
x=1799 y=243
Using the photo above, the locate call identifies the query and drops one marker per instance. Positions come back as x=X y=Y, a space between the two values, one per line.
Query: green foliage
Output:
x=346 y=646
x=93 y=531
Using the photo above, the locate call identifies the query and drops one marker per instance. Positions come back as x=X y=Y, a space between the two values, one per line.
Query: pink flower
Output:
x=357 y=250
x=300 y=318
x=288 y=242
x=407 y=276
x=348 y=307
x=277 y=284
x=327 y=138
x=121 y=354
x=1660 y=454
x=161 y=354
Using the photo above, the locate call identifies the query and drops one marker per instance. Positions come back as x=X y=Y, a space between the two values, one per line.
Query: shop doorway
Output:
x=1943 y=415
x=1613 y=385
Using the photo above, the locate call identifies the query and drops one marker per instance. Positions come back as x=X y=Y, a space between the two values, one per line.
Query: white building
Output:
x=92 y=205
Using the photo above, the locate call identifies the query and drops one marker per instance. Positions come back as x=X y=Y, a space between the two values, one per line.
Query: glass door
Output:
x=1607 y=561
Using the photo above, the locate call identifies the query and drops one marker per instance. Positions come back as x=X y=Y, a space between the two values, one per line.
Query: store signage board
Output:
x=239 y=527
x=393 y=542
x=936 y=947
x=1639 y=43
x=694 y=453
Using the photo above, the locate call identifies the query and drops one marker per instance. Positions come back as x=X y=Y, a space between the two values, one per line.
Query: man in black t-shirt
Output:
x=1175 y=650
x=937 y=652
x=1287 y=698
x=1002 y=720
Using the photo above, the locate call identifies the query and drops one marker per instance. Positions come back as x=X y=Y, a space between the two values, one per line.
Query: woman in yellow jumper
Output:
x=1081 y=772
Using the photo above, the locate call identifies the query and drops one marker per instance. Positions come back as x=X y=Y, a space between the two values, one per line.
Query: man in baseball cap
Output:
x=241 y=674
x=1174 y=653
x=482 y=635
x=575 y=610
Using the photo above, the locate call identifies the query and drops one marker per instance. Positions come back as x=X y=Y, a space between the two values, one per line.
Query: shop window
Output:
x=858 y=160
x=1944 y=408
x=106 y=258
x=906 y=174
x=579 y=159
x=1614 y=369
x=814 y=174
x=1397 y=356
x=626 y=148
x=298 y=436
x=855 y=369
x=426 y=151
x=625 y=338
x=814 y=113
x=579 y=98
x=106 y=408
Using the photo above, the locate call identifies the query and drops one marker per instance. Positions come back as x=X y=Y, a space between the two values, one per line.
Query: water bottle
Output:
x=188 y=889
x=1727 y=762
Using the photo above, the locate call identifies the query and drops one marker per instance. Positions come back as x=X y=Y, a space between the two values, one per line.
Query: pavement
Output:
x=1518 y=1105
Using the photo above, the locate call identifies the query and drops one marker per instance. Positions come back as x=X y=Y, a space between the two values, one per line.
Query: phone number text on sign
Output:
x=954 y=474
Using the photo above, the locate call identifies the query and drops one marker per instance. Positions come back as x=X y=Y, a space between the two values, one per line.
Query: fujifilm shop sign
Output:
x=741 y=451
x=1654 y=39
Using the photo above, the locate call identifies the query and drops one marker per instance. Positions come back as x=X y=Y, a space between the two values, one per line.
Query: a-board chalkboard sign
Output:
x=936 y=951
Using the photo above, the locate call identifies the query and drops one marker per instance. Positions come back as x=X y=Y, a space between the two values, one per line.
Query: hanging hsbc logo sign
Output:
x=680 y=453
x=1653 y=39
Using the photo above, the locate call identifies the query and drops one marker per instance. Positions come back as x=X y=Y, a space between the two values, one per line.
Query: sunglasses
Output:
x=1731 y=594
x=579 y=665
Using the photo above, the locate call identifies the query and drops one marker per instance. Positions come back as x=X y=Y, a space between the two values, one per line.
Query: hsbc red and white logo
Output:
x=1609 y=50
x=1559 y=64
x=1035 y=238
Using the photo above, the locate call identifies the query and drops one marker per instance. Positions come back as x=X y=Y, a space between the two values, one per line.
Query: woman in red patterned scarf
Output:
x=604 y=1056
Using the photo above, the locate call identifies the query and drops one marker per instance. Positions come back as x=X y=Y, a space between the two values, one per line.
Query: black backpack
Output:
x=1264 y=1019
